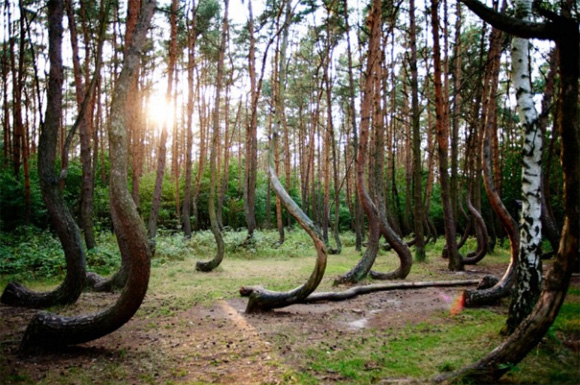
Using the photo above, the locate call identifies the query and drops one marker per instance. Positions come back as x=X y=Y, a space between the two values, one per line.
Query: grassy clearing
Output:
x=417 y=350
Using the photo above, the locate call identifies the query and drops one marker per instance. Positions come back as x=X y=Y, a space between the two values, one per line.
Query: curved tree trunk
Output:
x=443 y=145
x=532 y=329
x=261 y=299
x=400 y=247
x=373 y=61
x=64 y=224
x=47 y=330
x=215 y=262
x=501 y=288
x=481 y=234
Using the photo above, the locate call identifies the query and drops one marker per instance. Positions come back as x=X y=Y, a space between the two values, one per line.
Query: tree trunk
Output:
x=533 y=328
x=85 y=133
x=418 y=212
x=373 y=61
x=191 y=39
x=215 y=262
x=251 y=138
x=261 y=299
x=529 y=267
x=203 y=132
x=443 y=144
x=64 y=224
x=48 y=330
x=162 y=150
x=134 y=118
x=358 y=211
x=549 y=225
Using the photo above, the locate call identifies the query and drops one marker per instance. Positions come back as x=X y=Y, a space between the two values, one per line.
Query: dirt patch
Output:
x=218 y=343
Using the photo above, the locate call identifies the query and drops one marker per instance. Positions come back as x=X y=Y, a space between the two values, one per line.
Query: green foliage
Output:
x=12 y=199
x=29 y=253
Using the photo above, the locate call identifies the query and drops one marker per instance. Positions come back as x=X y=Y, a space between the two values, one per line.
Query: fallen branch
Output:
x=359 y=290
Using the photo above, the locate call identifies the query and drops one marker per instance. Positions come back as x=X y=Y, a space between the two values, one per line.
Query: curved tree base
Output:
x=208 y=266
x=250 y=241
x=114 y=283
x=402 y=250
x=360 y=271
x=396 y=274
x=491 y=295
x=261 y=299
x=221 y=248
x=360 y=290
x=49 y=331
x=18 y=295
x=482 y=236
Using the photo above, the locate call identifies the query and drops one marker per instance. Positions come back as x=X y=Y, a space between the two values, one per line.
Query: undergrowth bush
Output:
x=30 y=253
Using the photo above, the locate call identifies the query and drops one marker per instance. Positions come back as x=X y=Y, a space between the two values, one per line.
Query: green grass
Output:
x=417 y=351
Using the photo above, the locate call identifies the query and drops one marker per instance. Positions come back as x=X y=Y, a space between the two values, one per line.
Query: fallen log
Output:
x=366 y=289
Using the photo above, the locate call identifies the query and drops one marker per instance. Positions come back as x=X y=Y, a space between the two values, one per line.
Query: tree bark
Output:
x=162 y=150
x=215 y=262
x=48 y=330
x=191 y=39
x=251 y=138
x=529 y=267
x=531 y=330
x=418 y=212
x=68 y=292
x=373 y=61
x=443 y=144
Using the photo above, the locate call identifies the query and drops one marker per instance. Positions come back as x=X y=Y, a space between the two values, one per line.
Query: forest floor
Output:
x=192 y=329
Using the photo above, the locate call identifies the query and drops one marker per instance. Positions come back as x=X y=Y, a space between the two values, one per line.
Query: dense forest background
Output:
x=301 y=62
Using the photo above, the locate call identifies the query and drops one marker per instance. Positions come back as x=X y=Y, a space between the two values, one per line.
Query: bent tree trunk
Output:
x=360 y=271
x=503 y=286
x=481 y=233
x=455 y=263
x=261 y=299
x=69 y=291
x=117 y=281
x=532 y=329
x=400 y=247
x=215 y=229
x=48 y=330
